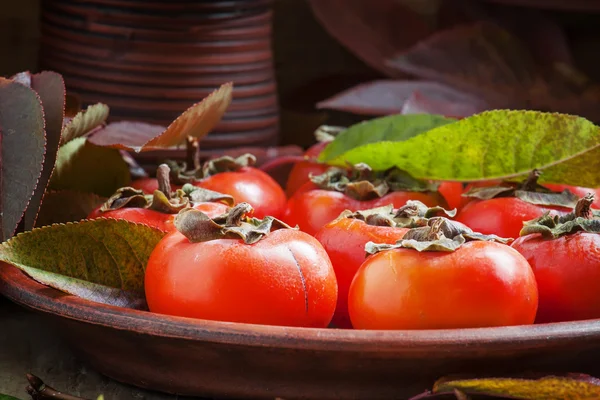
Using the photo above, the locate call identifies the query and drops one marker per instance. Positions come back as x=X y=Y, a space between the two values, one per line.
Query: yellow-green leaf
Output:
x=85 y=120
x=101 y=260
x=547 y=388
x=394 y=128
x=85 y=167
x=497 y=144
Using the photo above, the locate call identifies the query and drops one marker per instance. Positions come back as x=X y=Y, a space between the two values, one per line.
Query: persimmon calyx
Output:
x=361 y=183
x=327 y=133
x=411 y=215
x=234 y=224
x=227 y=164
x=163 y=200
x=440 y=234
x=529 y=191
x=581 y=219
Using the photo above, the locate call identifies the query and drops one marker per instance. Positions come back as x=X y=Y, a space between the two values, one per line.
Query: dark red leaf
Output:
x=419 y=103
x=51 y=89
x=373 y=31
x=23 y=147
x=388 y=97
x=481 y=59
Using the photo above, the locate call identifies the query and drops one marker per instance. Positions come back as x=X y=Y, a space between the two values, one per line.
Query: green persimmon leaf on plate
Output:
x=498 y=144
x=62 y=206
x=394 y=128
x=85 y=167
x=197 y=121
x=22 y=149
x=102 y=260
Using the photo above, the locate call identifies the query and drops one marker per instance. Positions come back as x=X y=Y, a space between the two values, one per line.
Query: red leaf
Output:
x=196 y=121
x=388 y=97
x=373 y=31
x=51 y=89
x=480 y=59
x=419 y=103
x=22 y=153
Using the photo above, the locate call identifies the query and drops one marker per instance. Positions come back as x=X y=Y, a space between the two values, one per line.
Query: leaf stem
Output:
x=38 y=390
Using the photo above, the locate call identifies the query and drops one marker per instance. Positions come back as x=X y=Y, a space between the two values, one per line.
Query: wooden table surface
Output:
x=28 y=345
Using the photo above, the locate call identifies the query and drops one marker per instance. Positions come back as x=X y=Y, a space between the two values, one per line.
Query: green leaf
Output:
x=101 y=260
x=7 y=397
x=22 y=148
x=575 y=387
x=85 y=167
x=51 y=89
x=64 y=206
x=84 y=122
x=391 y=128
x=498 y=144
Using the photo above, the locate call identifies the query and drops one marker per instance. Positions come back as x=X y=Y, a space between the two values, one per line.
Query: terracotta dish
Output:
x=218 y=359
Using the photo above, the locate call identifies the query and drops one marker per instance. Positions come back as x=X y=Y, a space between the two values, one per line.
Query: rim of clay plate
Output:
x=23 y=290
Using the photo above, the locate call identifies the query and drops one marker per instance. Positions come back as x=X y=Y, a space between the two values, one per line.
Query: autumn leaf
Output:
x=387 y=97
x=50 y=87
x=22 y=144
x=85 y=167
x=84 y=122
x=373 y=32
x=102 y=260
x=197 y=121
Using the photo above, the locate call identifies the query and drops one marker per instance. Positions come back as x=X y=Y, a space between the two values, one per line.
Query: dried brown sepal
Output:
x=361 y=183
x=440 y=234
x=126 y=197
x=227 y=164
x=201 y=195
x=399 y=180
x=235 y=224
x=412 y=215
x=581 y=219
x=171 y=204
x=529 y=191
x=326 y=133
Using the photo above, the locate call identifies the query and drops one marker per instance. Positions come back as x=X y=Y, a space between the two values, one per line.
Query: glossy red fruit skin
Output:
x=567 y=270
x=312 y=208
x=284 y=279
x=502 y=216
x=345 y=240
x=156 y=219
x=300 y=173
x=252 y=186
x=481 y=284
x=577 y=190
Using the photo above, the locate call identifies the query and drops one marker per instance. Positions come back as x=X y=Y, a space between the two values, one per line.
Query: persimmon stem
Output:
x=192 y=156
x=583 y=206
x=531 y=182
x=164 y=183
x=38 y=390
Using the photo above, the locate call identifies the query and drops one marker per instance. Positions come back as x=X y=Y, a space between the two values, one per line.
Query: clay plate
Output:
x=209 y=358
